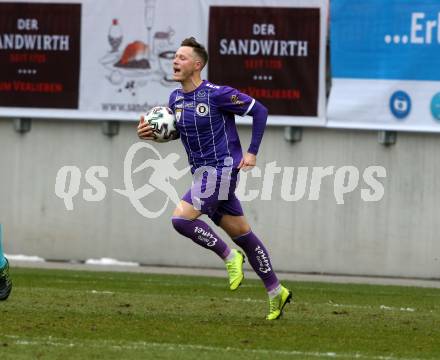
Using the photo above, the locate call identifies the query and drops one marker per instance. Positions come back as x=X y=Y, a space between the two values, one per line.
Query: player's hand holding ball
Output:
x=158 y=124
x=145 y=130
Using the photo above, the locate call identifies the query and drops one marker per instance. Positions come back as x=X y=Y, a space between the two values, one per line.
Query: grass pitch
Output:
x=54 y=314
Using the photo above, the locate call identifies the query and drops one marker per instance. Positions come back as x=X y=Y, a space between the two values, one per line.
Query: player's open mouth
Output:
x=176 y=71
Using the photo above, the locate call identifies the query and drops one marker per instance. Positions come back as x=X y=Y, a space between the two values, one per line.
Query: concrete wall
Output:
x=396 y=236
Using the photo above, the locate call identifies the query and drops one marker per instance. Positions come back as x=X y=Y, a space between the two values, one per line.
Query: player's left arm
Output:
x=259 y=119
x=236 y=102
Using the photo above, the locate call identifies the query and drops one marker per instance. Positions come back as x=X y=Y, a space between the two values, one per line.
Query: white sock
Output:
x=274 y=292
x=231 y=255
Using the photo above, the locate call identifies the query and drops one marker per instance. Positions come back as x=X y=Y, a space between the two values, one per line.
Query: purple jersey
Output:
x=205 y=120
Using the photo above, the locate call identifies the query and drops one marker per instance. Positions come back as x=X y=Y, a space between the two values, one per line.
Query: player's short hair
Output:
x=198 y=48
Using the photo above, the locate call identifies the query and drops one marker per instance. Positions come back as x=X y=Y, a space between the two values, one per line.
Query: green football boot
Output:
x=276 y=305
x=5 y=282
x=235 y=269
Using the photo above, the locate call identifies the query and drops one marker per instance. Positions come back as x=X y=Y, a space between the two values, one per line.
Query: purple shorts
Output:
x=213 y=193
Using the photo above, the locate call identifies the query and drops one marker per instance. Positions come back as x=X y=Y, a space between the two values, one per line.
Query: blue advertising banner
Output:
x=385 y=64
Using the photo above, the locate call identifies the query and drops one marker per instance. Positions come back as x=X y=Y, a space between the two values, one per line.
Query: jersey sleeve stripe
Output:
x=197 y=132
x=212 y=131
x=249 y=108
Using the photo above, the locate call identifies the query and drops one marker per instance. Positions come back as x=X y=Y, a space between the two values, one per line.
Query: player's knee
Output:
x=239 y=231
x=243 y=229
x=178 y=211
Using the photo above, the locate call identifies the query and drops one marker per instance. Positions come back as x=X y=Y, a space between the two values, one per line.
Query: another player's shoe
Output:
x=5 y=282
x=276 y=305
x=235 y=269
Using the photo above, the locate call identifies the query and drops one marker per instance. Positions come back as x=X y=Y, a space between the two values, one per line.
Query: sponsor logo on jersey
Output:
x=190 y=104
x=202 y=109
x=178 y=113
x=212 y=86
x=234 y=100
x=201 y=94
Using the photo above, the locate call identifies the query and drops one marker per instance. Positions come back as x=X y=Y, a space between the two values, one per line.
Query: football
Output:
x=163 y=122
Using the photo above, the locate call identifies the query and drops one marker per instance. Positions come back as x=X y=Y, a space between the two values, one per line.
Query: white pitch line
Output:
x=144 y=345
x=249 y=300
x=189 y=283
x=381 y=307
x=100 y=292
x=353 y=306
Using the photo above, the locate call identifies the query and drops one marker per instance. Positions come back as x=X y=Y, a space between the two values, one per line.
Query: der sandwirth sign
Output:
x=270 y=53
x=39 y=55
x=113 y=59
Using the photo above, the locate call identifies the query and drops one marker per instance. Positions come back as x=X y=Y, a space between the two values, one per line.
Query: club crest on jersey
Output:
x=178 y=113
x=202 y=109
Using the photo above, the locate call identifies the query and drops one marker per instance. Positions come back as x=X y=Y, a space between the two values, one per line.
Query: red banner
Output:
x=39 y=55
x=272 y=54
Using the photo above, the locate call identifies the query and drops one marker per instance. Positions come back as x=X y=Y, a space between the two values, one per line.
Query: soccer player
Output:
x=5 y=280
x=205 y=120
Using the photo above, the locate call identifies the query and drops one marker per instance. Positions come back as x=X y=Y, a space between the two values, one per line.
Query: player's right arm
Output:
x=144 y=130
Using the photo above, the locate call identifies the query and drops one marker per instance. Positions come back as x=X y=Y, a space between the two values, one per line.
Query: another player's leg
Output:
x=185 y=221
x=239 y=230
x=5 y=280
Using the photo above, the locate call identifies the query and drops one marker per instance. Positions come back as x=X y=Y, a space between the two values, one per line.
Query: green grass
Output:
x=54 y=314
